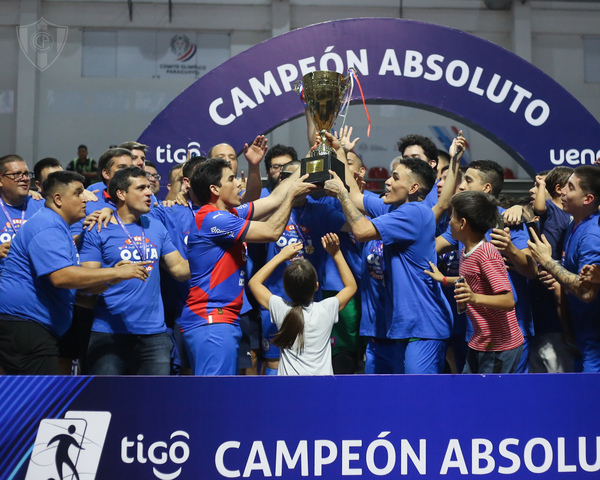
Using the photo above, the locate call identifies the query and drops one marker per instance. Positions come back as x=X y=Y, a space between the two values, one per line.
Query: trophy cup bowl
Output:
x=323 y=94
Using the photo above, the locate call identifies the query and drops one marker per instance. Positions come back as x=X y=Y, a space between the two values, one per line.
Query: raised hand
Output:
x=291 y=250
x=331 y=243
x=345 y=139
x=255 y=152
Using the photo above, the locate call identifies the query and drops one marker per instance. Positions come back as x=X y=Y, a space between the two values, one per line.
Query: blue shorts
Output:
x=420 y=356
x=213 y=349
x=269 y=330
x=380 y=355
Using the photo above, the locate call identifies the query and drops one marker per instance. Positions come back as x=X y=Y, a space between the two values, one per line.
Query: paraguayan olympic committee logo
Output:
x=42 y=42
x=182 y=48
x=69 y=447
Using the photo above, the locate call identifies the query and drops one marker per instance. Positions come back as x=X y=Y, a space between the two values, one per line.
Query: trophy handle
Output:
x=298 y=87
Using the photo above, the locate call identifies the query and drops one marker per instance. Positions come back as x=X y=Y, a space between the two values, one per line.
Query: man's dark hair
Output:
x=431 y=151
x=106 y=160
x=423 y=172
x=82 y=146
x=8 y=159
x=133 y=146
x=44 y=163
x=122 y=180
x=490 y=172
x=589 y=180
x=557 y=176
x=443 y=154
x=173 y=172
x=191 y=165
x=279 y=150
x=58 y=180
x=208 y=173
x=479 y=209
x=148 y=163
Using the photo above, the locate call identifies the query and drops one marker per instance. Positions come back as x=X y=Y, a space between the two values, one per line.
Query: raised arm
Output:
x=254 y=154
x=542 y=252
x=271 y=229
x=362 y=228
x=539 y=204
x=331 y=243
x=520 y=259
x=456 y=152
x=256 y=283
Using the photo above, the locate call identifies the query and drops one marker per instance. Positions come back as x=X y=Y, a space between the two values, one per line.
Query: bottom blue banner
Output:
x=492 y=426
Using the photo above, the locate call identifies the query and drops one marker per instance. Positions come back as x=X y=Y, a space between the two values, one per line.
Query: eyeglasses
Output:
x=155 y=176
x=18 y=175
x=276 y=167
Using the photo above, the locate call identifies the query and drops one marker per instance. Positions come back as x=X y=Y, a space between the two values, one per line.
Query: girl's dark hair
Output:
x=299 y=282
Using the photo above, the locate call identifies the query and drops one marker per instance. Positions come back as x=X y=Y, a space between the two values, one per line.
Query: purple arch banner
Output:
x=398 y=61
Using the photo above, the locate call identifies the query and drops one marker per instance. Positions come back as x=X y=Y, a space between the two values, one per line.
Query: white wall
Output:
x=58 y=109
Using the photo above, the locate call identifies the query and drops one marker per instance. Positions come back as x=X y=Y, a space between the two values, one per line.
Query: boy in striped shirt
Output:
x=497 y=341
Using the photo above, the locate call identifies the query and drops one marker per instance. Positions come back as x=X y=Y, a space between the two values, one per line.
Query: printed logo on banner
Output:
x=69 y=447
x=42 y=42
x=182 y=48
x=158 y=454
x=177 y=155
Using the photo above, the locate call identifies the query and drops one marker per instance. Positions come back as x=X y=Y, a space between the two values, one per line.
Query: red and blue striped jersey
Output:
x=217 y=257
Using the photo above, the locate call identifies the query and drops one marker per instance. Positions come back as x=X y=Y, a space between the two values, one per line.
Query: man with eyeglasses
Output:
x=275 y=159
x=153 y=177
x=16 y=207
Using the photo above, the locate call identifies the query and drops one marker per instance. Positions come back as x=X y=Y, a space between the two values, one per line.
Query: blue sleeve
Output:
x=519 y=236
x=432 y=197
x=159 y=213
x=401 y=225
x=225 y=227
x=168 y=246
x=245 y=211
x=374 y=206
x=588 y=251
x=91 y=249
x=447 y=235
x=47 y=260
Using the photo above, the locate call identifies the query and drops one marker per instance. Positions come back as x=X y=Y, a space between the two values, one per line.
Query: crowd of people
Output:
x=438 y=274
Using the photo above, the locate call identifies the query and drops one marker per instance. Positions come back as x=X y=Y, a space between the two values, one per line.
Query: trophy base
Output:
x=318 y=171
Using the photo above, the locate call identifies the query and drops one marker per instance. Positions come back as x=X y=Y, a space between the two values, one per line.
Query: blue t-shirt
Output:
x=132 y=306
x=178 y=221
x=582 y=247
x=18 y=216
x=314 y=219
x=372 y=291
x=350 y=248
x=415 y=305
x=432 y=197
x=553 y=224
x=42 y=246
x=217 y=259
x=519 y=238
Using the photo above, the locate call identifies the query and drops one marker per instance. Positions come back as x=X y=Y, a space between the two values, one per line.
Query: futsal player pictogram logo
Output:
x=69 y=447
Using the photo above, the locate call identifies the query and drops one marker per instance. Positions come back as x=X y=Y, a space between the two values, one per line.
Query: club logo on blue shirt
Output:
x=132 y=252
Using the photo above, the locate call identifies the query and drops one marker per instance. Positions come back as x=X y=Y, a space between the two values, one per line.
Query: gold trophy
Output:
x=323 y=95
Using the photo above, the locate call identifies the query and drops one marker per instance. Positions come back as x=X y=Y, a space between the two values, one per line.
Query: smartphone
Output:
x=500 y=224
x=536 y=229
x=460 y=307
